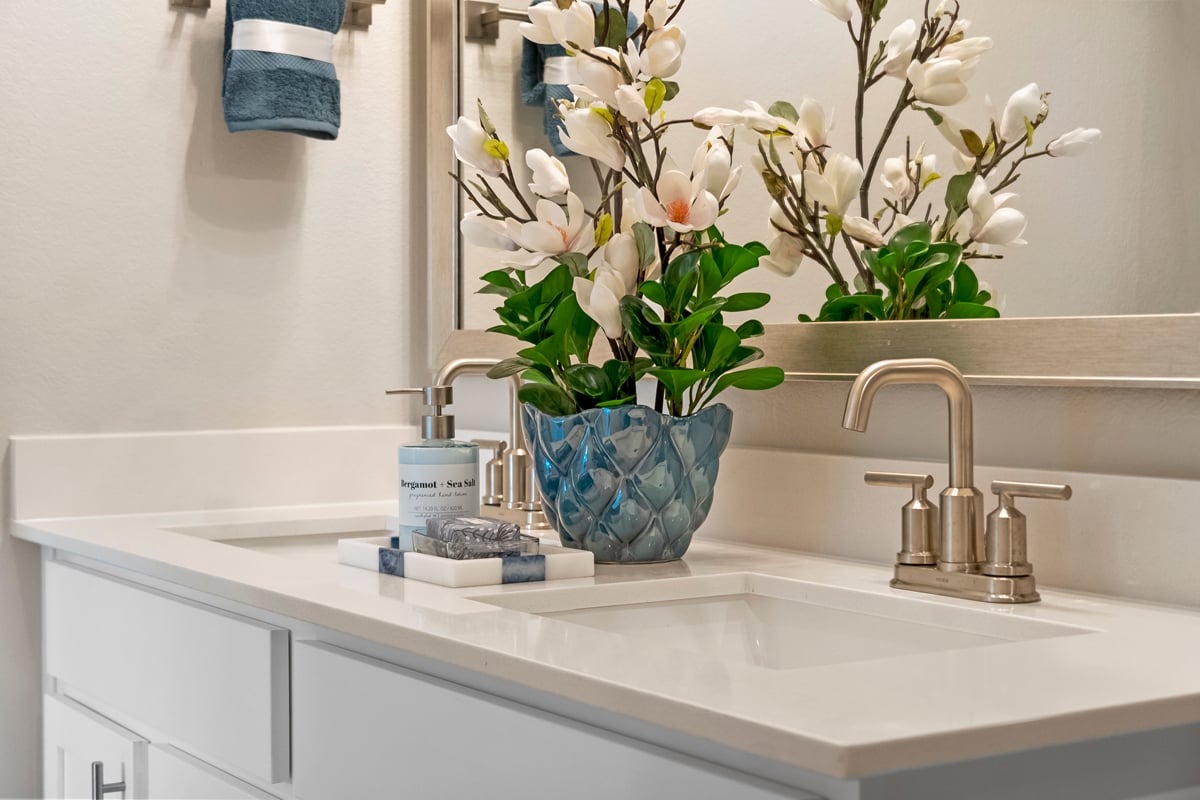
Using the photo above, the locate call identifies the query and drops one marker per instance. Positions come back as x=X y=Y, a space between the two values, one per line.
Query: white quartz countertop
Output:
x=1138 y=668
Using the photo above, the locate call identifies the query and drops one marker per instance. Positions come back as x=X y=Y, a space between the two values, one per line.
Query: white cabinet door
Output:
x=365 y=730
x=174 y=775
x=74 y=737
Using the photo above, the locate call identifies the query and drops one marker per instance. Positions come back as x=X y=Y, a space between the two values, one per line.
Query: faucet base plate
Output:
x=967 y=585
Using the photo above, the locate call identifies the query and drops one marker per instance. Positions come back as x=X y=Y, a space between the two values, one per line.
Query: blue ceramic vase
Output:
x=629 y=484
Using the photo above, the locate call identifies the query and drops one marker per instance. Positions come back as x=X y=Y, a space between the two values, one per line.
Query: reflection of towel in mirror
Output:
x=279 y=74
x=545 y=72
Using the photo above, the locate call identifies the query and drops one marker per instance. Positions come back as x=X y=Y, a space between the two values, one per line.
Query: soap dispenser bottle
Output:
x=439 y=476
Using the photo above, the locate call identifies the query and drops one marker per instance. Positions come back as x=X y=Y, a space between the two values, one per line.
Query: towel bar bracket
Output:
x=358 y=12
x=482 y=19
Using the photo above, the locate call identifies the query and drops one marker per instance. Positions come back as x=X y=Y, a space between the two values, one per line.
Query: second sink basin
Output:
x=777 y=623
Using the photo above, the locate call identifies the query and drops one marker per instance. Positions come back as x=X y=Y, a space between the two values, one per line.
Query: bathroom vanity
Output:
x=227 y=654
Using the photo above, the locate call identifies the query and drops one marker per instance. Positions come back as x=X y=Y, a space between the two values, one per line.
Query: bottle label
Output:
x=437 y=490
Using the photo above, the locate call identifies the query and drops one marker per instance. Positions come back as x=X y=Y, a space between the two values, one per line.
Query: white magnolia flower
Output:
x=901 y=46
x=863 y=230
x=754 y=117
x=620 y=254
x=589 y=133
x=658 y=13
x=903 y=184
x=837 y=186
x=485 y=232
x=574 y=25
x=939 y=81
x=1026 y=104
x=787 y=253
x=992 y=222
x=682 y=204
x=1074 y=143
x=600 y=71
x=600 y=299
x=714 y=116
x=664 y=51
x=813 y=127
x=713 y=166
x=471 y=147
x=631 y=104
x=963 y=163
x=952 y=130
x=842 y=9
x=549 y=175
x=966 y=51
x=553 y=233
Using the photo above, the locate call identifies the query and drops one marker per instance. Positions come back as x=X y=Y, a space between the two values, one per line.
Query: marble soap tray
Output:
x=379 y=554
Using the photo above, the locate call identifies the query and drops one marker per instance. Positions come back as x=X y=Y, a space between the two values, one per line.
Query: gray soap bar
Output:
x=464 y=529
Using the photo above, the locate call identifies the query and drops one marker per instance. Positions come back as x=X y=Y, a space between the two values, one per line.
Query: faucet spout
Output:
x=921 y=371
x=961 y=517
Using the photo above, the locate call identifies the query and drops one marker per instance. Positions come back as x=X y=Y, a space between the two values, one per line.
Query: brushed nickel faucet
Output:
x=956 y=567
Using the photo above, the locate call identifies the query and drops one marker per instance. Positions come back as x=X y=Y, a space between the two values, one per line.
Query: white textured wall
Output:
x=157 y=272
x=1107 y=231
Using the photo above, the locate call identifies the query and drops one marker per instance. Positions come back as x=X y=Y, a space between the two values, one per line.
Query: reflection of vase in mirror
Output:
x=1090 y=221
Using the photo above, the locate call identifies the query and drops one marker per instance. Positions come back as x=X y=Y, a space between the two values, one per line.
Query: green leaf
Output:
x=966 y=284
x=747 y=301
x=972 y=311
x=782 y=108
x=577 y=263
x=677 y=381
x=647 y=245
x=656 y=95
x=855 y=306
x=882 y=269
x=672 y=90
x=918 y=232
x=645 y=327
x=551 y=400
x=588 y=379
x=679 y=280
x=754 y=379
x=611 y=25
x=957 y=190
x=750 y=328
x=496 y=149
x=509 y=367
x=723 y=349
x=733 y=260
x=627 y=400
x=972 y=141
x=654 y=292
x=934 y=116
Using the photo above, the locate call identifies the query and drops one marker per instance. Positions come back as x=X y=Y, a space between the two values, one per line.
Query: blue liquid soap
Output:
x=438 y=478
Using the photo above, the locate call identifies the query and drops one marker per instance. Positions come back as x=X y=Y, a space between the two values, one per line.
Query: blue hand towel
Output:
x=535 y=91
x=278 y=75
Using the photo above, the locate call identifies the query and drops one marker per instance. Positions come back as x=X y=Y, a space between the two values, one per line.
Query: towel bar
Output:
x=483 y=19
x=358 y=12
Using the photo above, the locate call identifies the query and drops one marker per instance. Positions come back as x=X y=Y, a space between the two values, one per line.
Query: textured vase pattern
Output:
x=629 y=484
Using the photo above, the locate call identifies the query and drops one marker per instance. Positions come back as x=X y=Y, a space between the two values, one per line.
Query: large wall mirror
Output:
x=1106 y=291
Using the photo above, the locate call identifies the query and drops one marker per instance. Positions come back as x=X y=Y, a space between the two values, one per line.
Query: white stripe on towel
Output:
x=270 y=36
x=560 y=71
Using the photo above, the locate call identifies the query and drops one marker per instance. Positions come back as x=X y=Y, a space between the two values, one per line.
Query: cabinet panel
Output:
x=214 y=682
x=364 y=730
x=74 y=737
x=174 y=775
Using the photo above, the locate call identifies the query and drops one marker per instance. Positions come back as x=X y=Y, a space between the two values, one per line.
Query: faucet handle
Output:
x=1006 y=540
x=493 y=474
x=918 y=517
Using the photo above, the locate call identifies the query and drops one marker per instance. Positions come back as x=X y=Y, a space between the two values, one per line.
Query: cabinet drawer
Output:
x=213 y=682
x=174 y=775
x=366 y=730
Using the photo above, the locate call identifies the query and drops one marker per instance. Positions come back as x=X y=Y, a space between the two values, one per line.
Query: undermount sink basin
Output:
x=777 y=623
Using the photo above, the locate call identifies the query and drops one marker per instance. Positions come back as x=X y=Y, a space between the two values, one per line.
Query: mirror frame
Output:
x=1144 y=351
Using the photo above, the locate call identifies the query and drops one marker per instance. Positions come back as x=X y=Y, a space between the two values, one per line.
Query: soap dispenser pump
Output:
x=439 y=476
